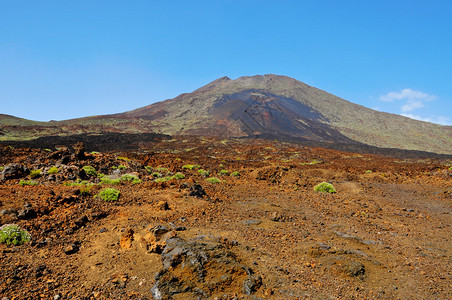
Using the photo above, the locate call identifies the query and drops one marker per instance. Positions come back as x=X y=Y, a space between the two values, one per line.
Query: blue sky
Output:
x=69 y=59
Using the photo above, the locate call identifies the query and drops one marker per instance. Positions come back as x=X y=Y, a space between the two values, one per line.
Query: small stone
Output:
x=275 y=216
x=71 y=249
x=163 y=205
x=57 y=297
x=252 y=222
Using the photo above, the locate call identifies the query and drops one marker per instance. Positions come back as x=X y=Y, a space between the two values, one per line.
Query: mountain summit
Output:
x=273 y=106
x=269 y=106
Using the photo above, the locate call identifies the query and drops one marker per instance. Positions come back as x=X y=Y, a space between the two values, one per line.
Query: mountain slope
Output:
x=266 y=106
x=280 y=105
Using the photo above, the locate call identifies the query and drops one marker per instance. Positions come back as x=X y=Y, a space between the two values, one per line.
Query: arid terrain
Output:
x=259 y=232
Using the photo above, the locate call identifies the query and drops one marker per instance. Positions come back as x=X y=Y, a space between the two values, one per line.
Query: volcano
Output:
x=266 y=106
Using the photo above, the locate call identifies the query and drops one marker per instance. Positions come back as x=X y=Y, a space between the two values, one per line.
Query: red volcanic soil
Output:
x=263 y=234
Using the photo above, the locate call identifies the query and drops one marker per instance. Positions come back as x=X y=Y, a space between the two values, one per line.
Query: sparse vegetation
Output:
x=224 y=172
x=203 y=172
x=85 y=190
x=53 y=170
x=122 y=167
x=78 y=183
x=368 y=171
x=11 y=234
x=107 y=180
x=130 y=178
x=161 y=169
x=90 y=171
x=123 y=158
x=35 y=173
x=325 y=187
x=213 y=180
x=149 y=169
x=191 y=167
x=109 y=194
x=156 y=174
x=27 y=182
x=235 y=174
x=179 y=175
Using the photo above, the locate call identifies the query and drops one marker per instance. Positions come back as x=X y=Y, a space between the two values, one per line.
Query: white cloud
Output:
x=435 y=119
x=411 y=99
x=411 y=105
x=407 y=94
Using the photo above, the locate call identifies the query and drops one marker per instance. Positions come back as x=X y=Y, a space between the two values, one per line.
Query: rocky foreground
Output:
x=224 y=219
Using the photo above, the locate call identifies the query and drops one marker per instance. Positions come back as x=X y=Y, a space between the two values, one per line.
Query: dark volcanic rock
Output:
x=202 y=269
x=197 y=191
x=13 y=171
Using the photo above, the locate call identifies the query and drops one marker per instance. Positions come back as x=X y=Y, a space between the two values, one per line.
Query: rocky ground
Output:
x=261 y=234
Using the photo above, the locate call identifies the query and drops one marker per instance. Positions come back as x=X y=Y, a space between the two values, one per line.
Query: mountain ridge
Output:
x=264 y=105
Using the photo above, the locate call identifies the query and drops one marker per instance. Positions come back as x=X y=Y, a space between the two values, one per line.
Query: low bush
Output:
x=85 y=190
x=52 y=170
x=90 y=171
x=123 y=158
x=77 y=183
x=130 y=178
x=27 y=182
x=203 y=173
x=35 y=173
x=179 y=176
x=156 y=174
x=235 y=174
x=106 y=180
x=121 y=167
x=11 y=234
x=109 y=194
x=325 y=187
x=149 y=169
x=191 y=167
x=213 y=180
x=224 y=172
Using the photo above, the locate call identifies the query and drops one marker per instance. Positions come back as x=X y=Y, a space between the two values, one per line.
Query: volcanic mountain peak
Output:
x=265 y=106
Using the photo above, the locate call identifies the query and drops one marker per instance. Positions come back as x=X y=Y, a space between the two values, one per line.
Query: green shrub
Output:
x=156 y=174
x=52 y=170
x=203 y=173
x=149 y=169
x=123 y=158
x=325 y=187
x=78 y=183
x=95 y=152
x=35 y=173
x=368 y=171
x=109 y=194
x=1 y=168
x=27 y=182
x=235 y=174
x=121 y=167
x=130 y=178
x=191 y=167
x=179 y=176
x=90 y=171
x=106 y=180
x=450 y=168
x=161 y=169
x=11 y=234
x=213 y=180
x=85 y=190
x=224 y=172
x=163 y=179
